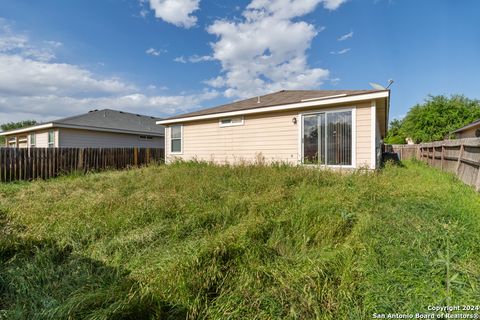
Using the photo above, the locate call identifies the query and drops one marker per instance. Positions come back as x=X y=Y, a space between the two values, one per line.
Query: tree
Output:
x=394 y=134
x=435 y=119
x=15 y=125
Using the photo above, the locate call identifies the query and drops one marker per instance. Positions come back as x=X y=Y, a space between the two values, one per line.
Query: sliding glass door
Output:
x=327 y=138
x=314 y=139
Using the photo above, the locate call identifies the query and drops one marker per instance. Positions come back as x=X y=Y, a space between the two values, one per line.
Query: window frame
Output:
x=171 y=139
x=12 y=142
x=353 y=110
x=33 y=136
x=231 y=124
x=51 y=144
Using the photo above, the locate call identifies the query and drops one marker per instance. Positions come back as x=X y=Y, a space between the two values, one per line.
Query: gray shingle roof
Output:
x=273 y=99
x=108 y=120
x=115 y=120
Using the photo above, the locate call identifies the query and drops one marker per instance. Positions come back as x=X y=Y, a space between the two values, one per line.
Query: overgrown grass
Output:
x=194 y=241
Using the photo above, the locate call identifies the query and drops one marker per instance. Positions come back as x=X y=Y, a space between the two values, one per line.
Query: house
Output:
x=335 y=128
x=471 y=130
x=95 y=129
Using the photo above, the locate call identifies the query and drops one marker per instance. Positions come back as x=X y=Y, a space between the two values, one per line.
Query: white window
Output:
x=176 y=141
x=51 y=139
x=33 y=139
x=12 y=142
x=232 y=121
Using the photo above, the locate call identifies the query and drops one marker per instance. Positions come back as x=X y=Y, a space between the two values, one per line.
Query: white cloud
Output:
x=153 y=52
x=266 y=50
x=25 y=76
x=217 y=82
x=180 y=59
x=48 y=107
x=143 y=13
x=194 y=59
x=143 y=10
x=335 y=81
x=177 y=12
x=345 y=36
x=14 y=43
x=54 y=44
x=333 y=4
x=32 y=87
x=343 y=51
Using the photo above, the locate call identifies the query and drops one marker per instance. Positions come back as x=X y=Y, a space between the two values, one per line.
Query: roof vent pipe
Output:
x=258 y=99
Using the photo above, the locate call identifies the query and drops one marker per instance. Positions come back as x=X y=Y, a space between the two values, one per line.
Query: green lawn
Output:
x=197 y=241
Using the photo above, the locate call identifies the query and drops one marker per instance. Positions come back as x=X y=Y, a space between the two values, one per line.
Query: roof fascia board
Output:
x=22 y=130
x=299 y=105
x=70 y=126
x=468 y=126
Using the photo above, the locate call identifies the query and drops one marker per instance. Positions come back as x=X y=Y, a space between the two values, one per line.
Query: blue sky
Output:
x=162 y=57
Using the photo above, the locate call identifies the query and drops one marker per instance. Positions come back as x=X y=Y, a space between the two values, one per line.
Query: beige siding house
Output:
x=471 y=130
x=95 y=129
x=329 y=128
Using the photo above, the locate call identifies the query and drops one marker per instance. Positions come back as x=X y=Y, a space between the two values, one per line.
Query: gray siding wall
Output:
x=97 y=139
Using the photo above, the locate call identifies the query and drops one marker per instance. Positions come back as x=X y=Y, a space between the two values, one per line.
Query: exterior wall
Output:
x=269 y=137
x=87 y=139
x=380 y=127
x=364 y=135
x=76 y=138
x=381 y=117
x=41 y=138
x=468 y=133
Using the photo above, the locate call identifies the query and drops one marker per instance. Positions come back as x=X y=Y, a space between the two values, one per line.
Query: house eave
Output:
x=299 y=105
x=469 y=126
x=51 y=125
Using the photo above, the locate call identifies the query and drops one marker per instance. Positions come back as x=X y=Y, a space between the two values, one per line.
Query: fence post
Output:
x=2 y=163
x=477 y=184
x=457 y=170
x=135 y=156
x=442 y=155
x=80 y=159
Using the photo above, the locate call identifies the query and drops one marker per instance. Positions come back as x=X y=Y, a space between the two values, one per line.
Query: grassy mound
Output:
x=197 y=241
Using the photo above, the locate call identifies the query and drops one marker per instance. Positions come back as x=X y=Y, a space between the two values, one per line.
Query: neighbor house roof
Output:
x=468 y=126
x=103 y=120
x=284 y=98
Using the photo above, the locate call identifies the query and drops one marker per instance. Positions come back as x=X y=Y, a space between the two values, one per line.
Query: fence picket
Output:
x=460 y=156
x=45 y=163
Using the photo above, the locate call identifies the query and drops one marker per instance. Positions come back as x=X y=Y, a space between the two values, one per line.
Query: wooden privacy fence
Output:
x=461 y=157
x=404 y=151
x=44 y=163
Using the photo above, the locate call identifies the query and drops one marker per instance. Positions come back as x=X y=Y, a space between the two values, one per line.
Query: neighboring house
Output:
x=95 y=129
x=339 y=128
x=471 y=130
